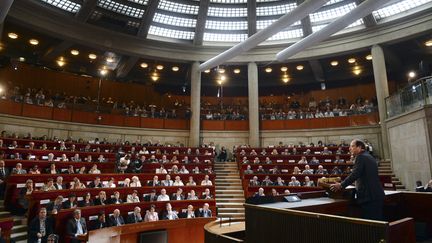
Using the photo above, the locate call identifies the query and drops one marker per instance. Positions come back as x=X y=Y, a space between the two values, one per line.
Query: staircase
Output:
x=19 y=230
x=229 y=191
x=385 y=169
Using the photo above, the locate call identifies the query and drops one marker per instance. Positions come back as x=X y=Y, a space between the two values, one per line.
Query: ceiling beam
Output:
x=5 y=6
x=86 y=10
x=201 y=22
x=147 y=18
x=317 y=70
x=305 y=22
x=56 y=51
x=369 y=20
x=252 y=17
x=125 y=66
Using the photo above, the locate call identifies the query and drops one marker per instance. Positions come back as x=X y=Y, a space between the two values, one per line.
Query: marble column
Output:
x=254 y=140
x=381 y=86
x=5 y=6
x=194 y=131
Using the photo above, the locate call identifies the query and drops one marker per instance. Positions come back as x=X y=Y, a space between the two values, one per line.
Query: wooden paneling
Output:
x=132 y=121
x=236 y=125
x=176 y=124
x=212 y=125
x=272 y=125
x=42 y=112
x=297 y=124
x=84 y=117
x=337 y=122
x=152 y=123
x=10 y=107
x=62 y=114
x=112 y=120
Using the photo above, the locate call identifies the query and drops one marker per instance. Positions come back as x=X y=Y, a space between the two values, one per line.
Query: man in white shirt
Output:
x=206 y=181
x=76 y=226
x=163 y=196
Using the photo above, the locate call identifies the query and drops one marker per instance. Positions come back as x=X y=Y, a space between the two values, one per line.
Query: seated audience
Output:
x=71 y=202
x=40 y=227
x=151 y=214
x=294 y=182
x=189 y=213
x=308 y=182
x=151 y=197
x=205 y=212
x=87 y=201
x=49 y=185
x=133 y=198
x=100 y=222
x=101 y=199
x=169 y=213
x=76 y=226
x=163 y=196
x=178 y=195
x=206 y=181
x=192 y=195
x=135 y=217
x=116 y=219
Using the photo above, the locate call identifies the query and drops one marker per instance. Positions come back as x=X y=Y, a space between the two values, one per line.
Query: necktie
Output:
x=118 y=221
x=79 y=228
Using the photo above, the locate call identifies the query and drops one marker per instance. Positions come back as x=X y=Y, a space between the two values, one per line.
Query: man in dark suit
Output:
x=71 y=202
x=102 y=199
x=59 y=183
x=4 y=172
x=370 y=194
x=56 y=205
x=116 y=219
x=40 y=227
x=96 y=183
x=205 y=212
x=76 y=227
x=100 y=222
x=152 y=197
x=135 y=217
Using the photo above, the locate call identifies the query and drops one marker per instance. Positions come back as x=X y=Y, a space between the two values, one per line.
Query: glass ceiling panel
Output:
x=142 y=2
x=121 y=8
x=175 y=34
x=331 y=13
x=175 y=21
x=178 y=7
x=276 y=10
x=262 y=24
x=239 y=1
x=289 y=34
x=224 y=37
x=227 y=12
x=64 y=5
x=333 y=2
x=397 y=8
x=316 y=28
x=226 y=25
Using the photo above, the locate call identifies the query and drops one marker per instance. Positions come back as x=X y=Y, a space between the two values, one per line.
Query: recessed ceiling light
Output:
x=103 y=71
x=207 y=71
x=412 y=74
x=357 y=70
x=154 y=77
x=221 y=70
x=237 y=71
x=110 y=59
x=369 y=57
x=159 y=67
x=144 y=65
x=34 y=42
x=61 y=62
x=300 y=67
x=175 y=68
x=13 y=35
x=351 y=60
x=334 y=63
x=92 y=56
x=428 y=43
x=223 y=77
x=21 y=59
x=74 y=52
x=268 y=70
x=285 y=80
x=284 y=69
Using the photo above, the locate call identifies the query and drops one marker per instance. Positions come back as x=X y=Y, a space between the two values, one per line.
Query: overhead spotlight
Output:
x=1 y=47
x=61 y=62
x=284 y=69
x=103 y=71
x=428 y=43
x=220 y=81
x=223 y=77
x=221 y=70
x=13 y=35
x=175 y=68
x=159 y=67
x=268 y=70
x=110 y=59
x=236 y=71
x=412 y=74
x=92 y=56
x=207 y=71
x=144 y=65
x=300 y=67
x=34 y=42
x=369 y=57
x=334 y=63
x=357 y=70
x=21 y=59
x=74 y=52
x=351 y=60
x=154 y=76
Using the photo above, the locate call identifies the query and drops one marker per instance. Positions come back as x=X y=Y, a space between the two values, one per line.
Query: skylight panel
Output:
x=276 y=10
x=142 y=2
x=289 y=34
x=229 y=1
x=333 y=2
x=331 y=13
x=262 y=24
x=227 y=12
x=121 y=8
x=397 y=8
x=224 y=37
x=175 y=21
x=226 y=25
x=178 y=7
x=65 y=5
x=175 y=34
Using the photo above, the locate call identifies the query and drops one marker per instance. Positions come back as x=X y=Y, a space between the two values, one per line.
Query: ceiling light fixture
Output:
x=284 y=69
x=357 y=70
x=334 y=63
x=159 y=67
x=154 y=76
x=428 y=43
x=92 y=56
x=268 y=70
x=144 y=65
x=369 y=57
x=61 y=62
x=221 y=70
x=110 y=59
x=34 y=42
x=237 y=71
x=300 y=67
x=412 y=74
x=74 y=52
x=351 y=60
x=103 y=71
x=13 y=35
x=207 y=71
x=175 y=68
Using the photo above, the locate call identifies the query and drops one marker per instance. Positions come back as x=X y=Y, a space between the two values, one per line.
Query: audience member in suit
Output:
x=116 y=199
x=133 y=198
x=40 y=227
x=102 y=199
x=59 y=183
x=71 y=202
x=116 y=219
x=24 y=192
x=76 y=226
x=189 y=213
x=4 y=173
x=152 y=197
x=96 y=183
x=18 y=170
x=205 y=212
x=87 y=201
x=178 y=195
x=169 y=213
x=57 y=204
x=154 y=182
x=151 y=214
x=100 y=222
x=135 y=217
